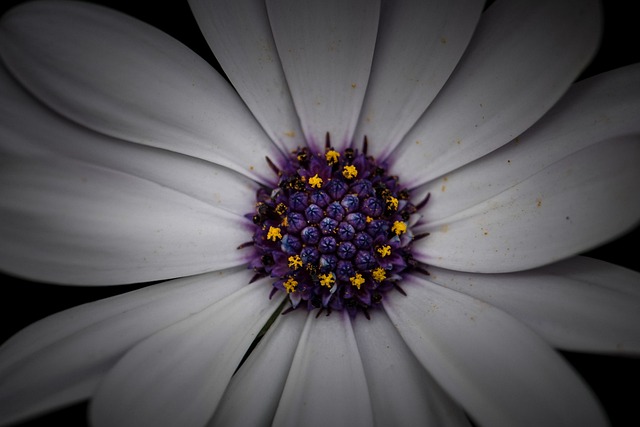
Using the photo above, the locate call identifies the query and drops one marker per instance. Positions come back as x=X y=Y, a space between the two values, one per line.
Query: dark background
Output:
x=23 y=302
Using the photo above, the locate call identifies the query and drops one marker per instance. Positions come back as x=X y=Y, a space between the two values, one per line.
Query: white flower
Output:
x=126 y=158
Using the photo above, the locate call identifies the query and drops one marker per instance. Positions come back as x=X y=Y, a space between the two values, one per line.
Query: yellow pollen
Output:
x=379 y=274
x=384 y=250
x=290 y=285
x=332 y=157
x=399 y=227
x=392 y=202
x=295 y=262
x=315 y=181
x=350 y=171
x=357 y=280
x=281 y=208
x=285 y=222
x=327 y=280
x=369 y=219
x=274 y=234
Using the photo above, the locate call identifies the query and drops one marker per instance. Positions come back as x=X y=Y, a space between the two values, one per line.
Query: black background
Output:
x=614 y=379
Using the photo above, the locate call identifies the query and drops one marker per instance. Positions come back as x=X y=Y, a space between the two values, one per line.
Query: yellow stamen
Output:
x=399 y=227
x=350 y=171
x=369 y=219
x=295 y=262
x=285 y=222
x=315 y=181
x=281 y=209
x=327 y=280
x=392 y=203
x=357 y=280
x=290 y=285
x=332 y=157
x=379 y=274
x=274 y=234
x=384 y=250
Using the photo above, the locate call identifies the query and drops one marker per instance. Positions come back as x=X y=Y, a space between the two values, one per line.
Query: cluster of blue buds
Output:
x=335 y=232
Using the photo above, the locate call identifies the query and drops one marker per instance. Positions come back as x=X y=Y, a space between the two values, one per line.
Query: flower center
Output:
x=334 y=233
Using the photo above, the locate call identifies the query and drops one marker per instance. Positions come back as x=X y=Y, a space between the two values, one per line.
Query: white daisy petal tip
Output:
x=154 y=92
x=479 y=354
x=565 y=209
x=39 y=365
x=579 y=305
x=509 y=76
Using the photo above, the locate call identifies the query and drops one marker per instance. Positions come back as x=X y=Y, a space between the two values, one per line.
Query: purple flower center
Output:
x=334 y=233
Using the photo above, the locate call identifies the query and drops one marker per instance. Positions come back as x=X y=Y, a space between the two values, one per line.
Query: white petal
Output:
x=575 y=315
x=496 y=368
x=254 y=391
x=600 y=273
x=326 y=50
x=522 y=58
x=419 y=43
x=29 y=129
x=603 y=107
x=239 y=35
x=126 y=79
x=73 y=223
x=402 y=392
x=326 y=383
x=575 y=204
x=177 y=376
x=60 y=360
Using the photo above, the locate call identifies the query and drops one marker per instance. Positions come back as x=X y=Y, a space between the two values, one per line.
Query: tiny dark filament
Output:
x=272 y=166
x=420 y=236
x=245 y=245
x=424 y=202
x=256 y=277
x=399 y=289
x=261 y=334
x=421 y=270
x=365 y=145
x=287 y=310
x=327 y=141
x=322 y=309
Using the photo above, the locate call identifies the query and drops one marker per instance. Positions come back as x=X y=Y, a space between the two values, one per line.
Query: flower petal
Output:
x=419 y=43
x=326 y=375
x=128 y=80
x=571 y=314
x=599 y=273
x=402 y=392
x=73 y=223
x=239 y=35
x=178 y=375
x=60 y=360
x=494 y=366
x=254 y=391
x=30 y=129
x=523 y=56
x=575 y=204
x=326 y=50
x=603 y=107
